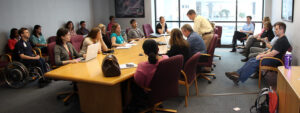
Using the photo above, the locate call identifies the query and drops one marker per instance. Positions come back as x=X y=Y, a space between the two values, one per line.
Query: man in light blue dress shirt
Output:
x=247 y=29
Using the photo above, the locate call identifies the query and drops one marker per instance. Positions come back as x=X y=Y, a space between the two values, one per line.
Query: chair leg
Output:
x=259 y=78
x=156 y=108
x=218 y=56
x=196 y=86
x=187 y=94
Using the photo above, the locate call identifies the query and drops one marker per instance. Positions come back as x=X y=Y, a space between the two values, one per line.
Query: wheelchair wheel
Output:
x=15 y=75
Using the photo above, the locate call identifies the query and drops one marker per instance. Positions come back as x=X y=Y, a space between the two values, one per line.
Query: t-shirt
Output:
x=23 y=47
x=11 y=44
x=269 y=34
x=281 y=45
x=37 y=40
x=196 y=43
x=119 y=38
x=159 y=26
x=145 y=71
x=248 y=27
x=88 y=41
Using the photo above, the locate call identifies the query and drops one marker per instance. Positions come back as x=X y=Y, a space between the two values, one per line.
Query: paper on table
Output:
x=128 y=65
x=127 y=46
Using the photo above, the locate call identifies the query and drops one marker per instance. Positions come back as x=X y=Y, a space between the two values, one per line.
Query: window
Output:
x=231 y=14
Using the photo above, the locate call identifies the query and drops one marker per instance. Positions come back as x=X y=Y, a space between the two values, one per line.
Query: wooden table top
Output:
x=292 y=76
x=91 y=71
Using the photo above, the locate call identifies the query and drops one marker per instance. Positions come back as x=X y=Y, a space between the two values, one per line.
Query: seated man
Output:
x=134 y=33
x=247 y=29
x=254 y=51
x=260 y=41
x=195 y=41
x=23 y=52
x=251 y=66
x=82 y=30
x=161 y=27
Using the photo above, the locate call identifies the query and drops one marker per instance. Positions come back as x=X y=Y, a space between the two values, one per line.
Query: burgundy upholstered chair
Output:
x=147 y=30
x=206 y=60
x=127 y=30
x=76 y=41
x=51 y=54
x=218 y=31
x=164 y=84
x=189 y=74
x=51 y=39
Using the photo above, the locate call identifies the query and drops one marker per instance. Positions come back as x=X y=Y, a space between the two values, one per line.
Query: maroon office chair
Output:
x=245 y=38
x=270 y=67
x=51 y=54
x=51 y=39
x=127 y=30
x=147 y=30
x=164 y=84
x=206 y=60
x=76 y=41
x=218 y=31
x=189 y=74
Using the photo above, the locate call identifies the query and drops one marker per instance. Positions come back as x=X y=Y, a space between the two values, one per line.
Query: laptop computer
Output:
x=154 y=35
x=91 y=53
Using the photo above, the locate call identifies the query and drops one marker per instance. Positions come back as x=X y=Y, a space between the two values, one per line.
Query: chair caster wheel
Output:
x=209 y=82
x=219 y=58
x=214 y=77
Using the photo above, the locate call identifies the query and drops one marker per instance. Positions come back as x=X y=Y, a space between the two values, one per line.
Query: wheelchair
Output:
x=17 y=75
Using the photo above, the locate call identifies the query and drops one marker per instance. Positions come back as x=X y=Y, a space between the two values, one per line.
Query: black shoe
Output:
x=233 y=76
x=245 y=59
x=242 y=52
x=233 y=50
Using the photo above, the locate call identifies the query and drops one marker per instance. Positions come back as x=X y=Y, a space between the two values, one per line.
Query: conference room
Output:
x=142 y=56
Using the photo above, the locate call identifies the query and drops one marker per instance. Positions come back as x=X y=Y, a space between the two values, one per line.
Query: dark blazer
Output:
x=176 y=50
x=61 y=54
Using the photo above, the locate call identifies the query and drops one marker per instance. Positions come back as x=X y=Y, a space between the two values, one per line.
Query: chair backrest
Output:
x=51 y=39
x=211 y=48
x=50 y=48
x=164 y=83
x=147 y=30
x=76 y=41
x=219 y=31
x=190 y=67
x=107 y=40
x=127 y=30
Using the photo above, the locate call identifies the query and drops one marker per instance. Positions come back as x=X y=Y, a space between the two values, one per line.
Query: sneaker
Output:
x=245 y=59
x=233 y=76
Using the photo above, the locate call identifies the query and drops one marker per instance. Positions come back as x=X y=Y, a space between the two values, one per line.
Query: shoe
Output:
x=245 y=59
x=233 y=50
x=233 y=76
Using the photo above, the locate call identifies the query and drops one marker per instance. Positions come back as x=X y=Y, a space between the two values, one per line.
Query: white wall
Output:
x=268 y=8
x=50 y=14
x=105 y=8
x=291 y=31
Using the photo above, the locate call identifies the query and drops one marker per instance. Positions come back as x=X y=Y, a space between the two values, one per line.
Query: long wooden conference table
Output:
x=99 y=94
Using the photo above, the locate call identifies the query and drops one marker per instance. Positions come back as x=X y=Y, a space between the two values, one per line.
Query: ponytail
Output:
x=152 y=58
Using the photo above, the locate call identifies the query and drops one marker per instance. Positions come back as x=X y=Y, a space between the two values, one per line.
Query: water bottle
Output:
x=288 y=60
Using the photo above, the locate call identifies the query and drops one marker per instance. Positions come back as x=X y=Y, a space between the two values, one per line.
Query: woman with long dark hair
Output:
x=70 y=27
x=37 y=39
x=94 y=37
x=14 y=38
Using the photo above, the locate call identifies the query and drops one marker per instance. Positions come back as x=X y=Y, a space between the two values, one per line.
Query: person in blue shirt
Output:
x=194 y=39
x=37 y=39
x=247 y=29
x=116 y=37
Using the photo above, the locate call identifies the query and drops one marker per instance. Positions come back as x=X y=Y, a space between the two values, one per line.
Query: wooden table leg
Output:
x=95 y=98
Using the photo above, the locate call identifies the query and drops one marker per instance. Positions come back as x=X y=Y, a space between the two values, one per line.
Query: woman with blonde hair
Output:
x=116 y=37
x=178 y=45
x=94 y=37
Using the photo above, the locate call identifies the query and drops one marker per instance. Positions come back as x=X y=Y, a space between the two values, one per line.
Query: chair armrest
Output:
x=270 y=58
x=184 y=75
x=208 y=55
x=37 y=51
x=8 y=57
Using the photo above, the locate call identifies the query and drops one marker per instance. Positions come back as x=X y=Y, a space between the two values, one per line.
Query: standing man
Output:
x=247 y=29
x=134 y=33
x=202 y=26
x=82 y=30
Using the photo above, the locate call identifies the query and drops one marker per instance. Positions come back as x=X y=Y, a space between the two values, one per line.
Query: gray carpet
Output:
x=212 y=98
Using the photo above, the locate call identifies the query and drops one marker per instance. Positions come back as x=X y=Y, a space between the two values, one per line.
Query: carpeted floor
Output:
x=221 y=96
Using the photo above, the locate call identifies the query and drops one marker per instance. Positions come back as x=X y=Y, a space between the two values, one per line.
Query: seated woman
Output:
x=105 y=38
x=145 y=70
x=116 y=37
x=37 y=39
x=93 y=37
x=178 y=45
x=64 y=52
x=261 y=41
x=70 y=27
x=14 y=38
